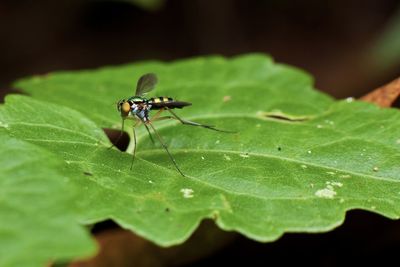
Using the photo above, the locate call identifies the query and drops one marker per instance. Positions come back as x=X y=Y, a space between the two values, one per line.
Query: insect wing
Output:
x=146 y=83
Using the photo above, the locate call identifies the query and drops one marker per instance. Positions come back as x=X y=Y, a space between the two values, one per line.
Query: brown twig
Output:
x=384 y=96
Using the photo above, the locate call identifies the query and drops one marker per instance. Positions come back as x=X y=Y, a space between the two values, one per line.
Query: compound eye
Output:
x=125 y=107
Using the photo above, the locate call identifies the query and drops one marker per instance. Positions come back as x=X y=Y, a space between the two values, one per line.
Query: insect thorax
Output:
x=137 y=99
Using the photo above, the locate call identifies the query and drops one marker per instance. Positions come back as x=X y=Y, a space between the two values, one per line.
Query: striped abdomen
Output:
x=162 y=101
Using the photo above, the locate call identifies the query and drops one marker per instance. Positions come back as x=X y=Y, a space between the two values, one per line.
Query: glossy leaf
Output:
x=297 y=163
x=37 y=208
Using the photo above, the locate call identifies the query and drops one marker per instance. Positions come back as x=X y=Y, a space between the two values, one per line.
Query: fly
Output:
x=139 y=108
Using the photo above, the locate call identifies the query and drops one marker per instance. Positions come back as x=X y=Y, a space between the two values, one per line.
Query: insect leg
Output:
x=134 y=142
x=148 y=131
x=154 y=117
x=120 y=134
x=157 y=114
x=165 y=147
x=196 y=124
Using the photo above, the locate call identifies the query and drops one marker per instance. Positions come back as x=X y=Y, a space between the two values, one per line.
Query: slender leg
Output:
x=134 y=142
x=196 y=124
x=120 y=134
x=166 y=148
x=148 y=131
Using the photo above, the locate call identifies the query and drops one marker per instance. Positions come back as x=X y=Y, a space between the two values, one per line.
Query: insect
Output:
x=138 y=107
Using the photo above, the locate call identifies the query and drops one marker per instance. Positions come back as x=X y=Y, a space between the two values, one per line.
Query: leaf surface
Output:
x=297 y=174
x=38 y=222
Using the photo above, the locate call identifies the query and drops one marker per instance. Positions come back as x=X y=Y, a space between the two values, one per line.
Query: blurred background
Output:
x=350 y=47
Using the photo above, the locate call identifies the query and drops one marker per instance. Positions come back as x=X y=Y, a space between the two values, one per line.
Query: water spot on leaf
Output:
x=245 y=155
x=304 y=166
x=187 y=192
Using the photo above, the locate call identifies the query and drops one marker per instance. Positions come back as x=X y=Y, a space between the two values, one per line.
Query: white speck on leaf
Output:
x=304 y=166
x=68 y=162
x=338 y=184
x=329 y=122
x=244 y=155
x=217 y=142
x=349 y=99
x=227 y=157
x=331 y=173
x=309 y=152
x=375 y=169
x=319 y=126
x=202 y=157
x=187 y=192
x=3 y=124
x=341 y=200
x=150 y=182
x=329 y=190
x=373 y=207
x=326 y=193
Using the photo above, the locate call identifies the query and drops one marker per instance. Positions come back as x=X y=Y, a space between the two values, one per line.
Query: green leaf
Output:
x=298 y=162
x=37 y=223
x=249 y=84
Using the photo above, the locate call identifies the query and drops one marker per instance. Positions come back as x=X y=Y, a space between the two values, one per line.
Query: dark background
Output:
x=333 y=40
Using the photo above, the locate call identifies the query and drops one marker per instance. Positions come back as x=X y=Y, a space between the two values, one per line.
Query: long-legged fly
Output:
x=138 y=108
